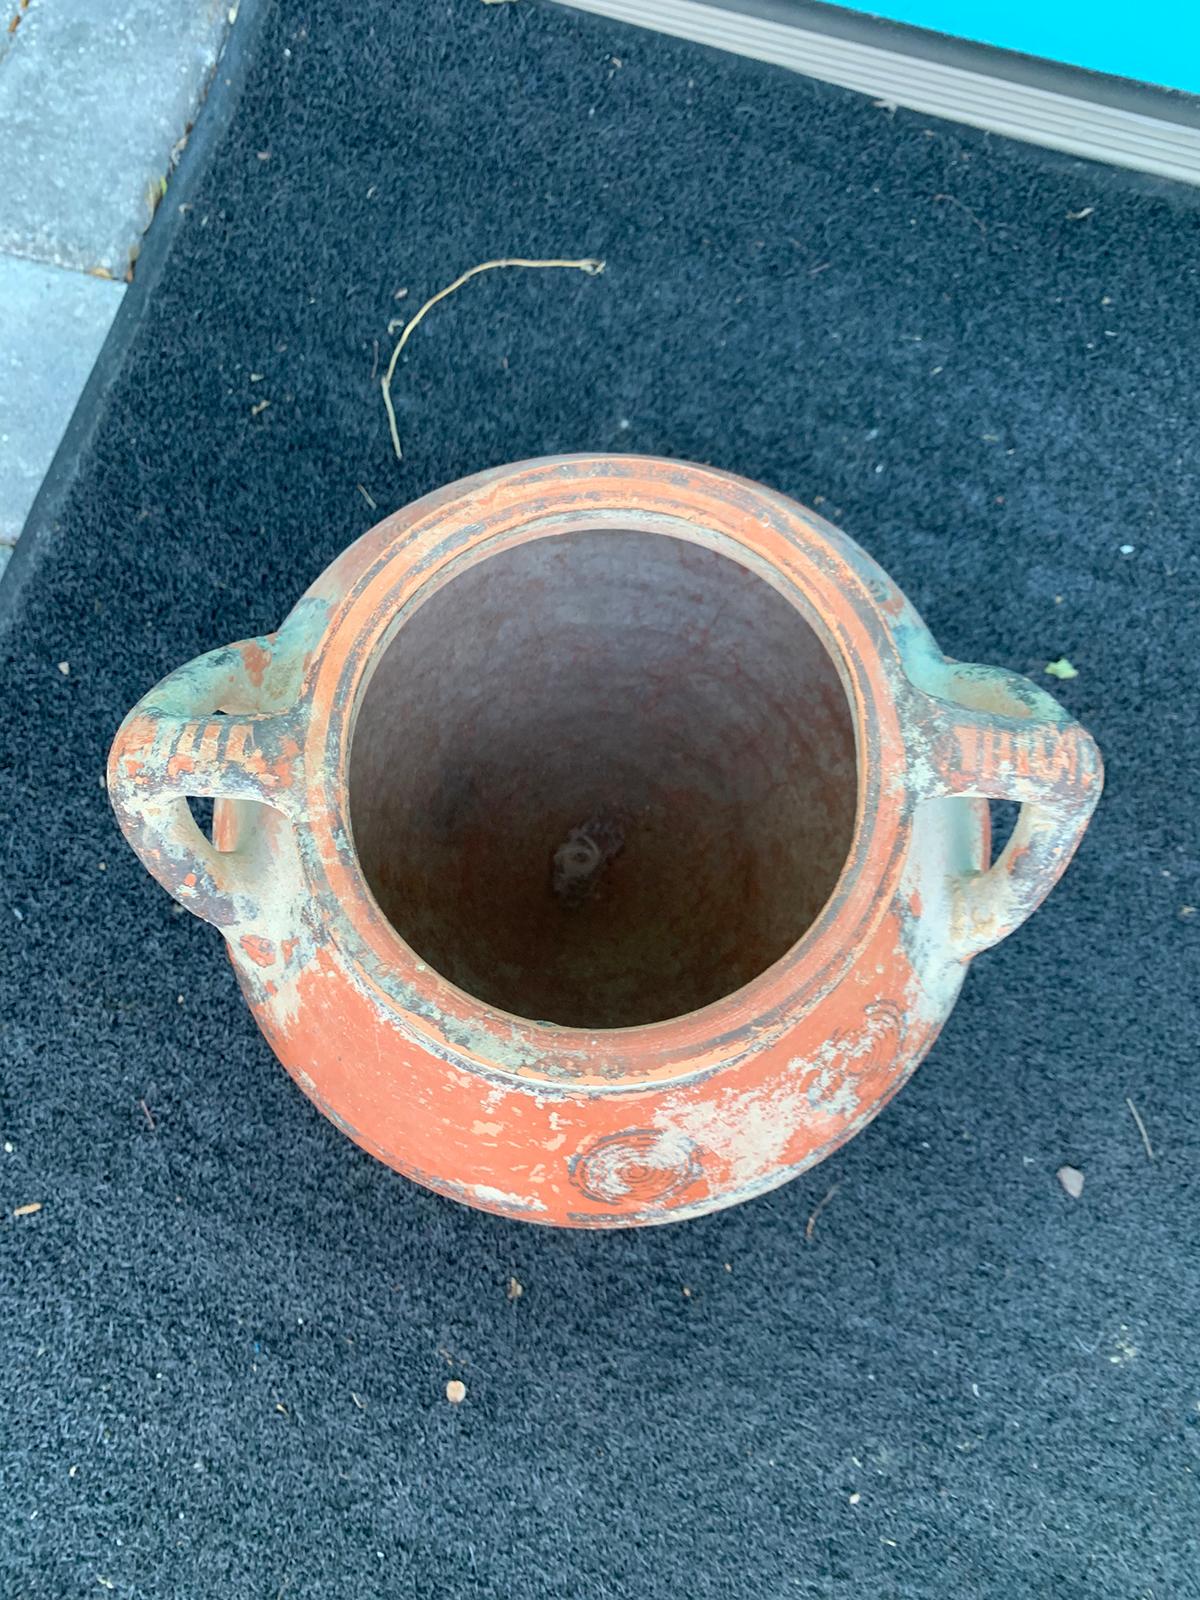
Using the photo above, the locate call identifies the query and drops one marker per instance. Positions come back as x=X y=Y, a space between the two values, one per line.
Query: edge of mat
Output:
x=215 y=116
x=1039 y=72
x=1113 y=121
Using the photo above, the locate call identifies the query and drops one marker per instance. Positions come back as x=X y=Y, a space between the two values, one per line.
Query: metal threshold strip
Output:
x=1081 y=126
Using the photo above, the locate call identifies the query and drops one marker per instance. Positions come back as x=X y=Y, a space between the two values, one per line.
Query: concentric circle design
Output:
x=877 y=1042
x=638 y=1167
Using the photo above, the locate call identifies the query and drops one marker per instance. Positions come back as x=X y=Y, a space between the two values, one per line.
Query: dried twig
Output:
x=1141 y=1128
x=149 y=1116
x=590 y=267
x=817 y=1210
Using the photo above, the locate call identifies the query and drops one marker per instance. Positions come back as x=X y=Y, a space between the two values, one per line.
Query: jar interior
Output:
x=603 y=778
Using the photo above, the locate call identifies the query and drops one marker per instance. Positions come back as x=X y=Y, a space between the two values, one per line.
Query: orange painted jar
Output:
x=601 y=840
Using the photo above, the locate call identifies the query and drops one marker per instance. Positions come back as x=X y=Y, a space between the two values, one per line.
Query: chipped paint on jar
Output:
x=601 y=840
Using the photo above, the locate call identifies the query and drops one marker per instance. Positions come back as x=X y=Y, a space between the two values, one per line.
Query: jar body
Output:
x=754 y=1113
x=569 y=1121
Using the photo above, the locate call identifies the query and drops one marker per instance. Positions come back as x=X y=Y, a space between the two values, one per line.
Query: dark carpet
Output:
x=225 y=1337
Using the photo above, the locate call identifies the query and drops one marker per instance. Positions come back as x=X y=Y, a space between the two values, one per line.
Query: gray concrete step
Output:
x=52 y=324
x=94 y=96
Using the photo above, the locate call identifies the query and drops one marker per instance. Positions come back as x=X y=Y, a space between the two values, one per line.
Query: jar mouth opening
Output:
x=602 y=779
x=746 y=553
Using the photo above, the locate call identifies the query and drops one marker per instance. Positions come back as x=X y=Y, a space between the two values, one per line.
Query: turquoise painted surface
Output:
x=1157 y=41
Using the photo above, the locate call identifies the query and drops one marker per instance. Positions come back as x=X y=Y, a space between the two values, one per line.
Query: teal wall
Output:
x=1157 y=41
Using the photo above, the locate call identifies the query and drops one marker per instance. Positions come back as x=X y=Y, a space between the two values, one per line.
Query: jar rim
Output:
x=402 y=562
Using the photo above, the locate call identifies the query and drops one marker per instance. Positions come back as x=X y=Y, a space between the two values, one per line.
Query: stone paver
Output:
x=52 y=324
x=94 y=96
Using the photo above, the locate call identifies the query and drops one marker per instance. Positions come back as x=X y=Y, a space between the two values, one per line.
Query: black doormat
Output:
x=227 y=1332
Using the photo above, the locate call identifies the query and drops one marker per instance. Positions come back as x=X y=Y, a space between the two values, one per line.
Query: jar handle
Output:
x=194 y=735
x=995 y=735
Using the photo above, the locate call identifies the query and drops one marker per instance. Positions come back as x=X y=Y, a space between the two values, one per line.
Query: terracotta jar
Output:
x=601 y=840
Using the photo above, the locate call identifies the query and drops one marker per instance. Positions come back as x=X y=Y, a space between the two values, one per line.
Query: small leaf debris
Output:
x=1072 y=1181
x=28 y=1210
x=514 y=1289
x=456 y=1391
x=156 y=193
x=1078 y=216
x=258 y=409
x=65 y=668
x=1061 y=668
